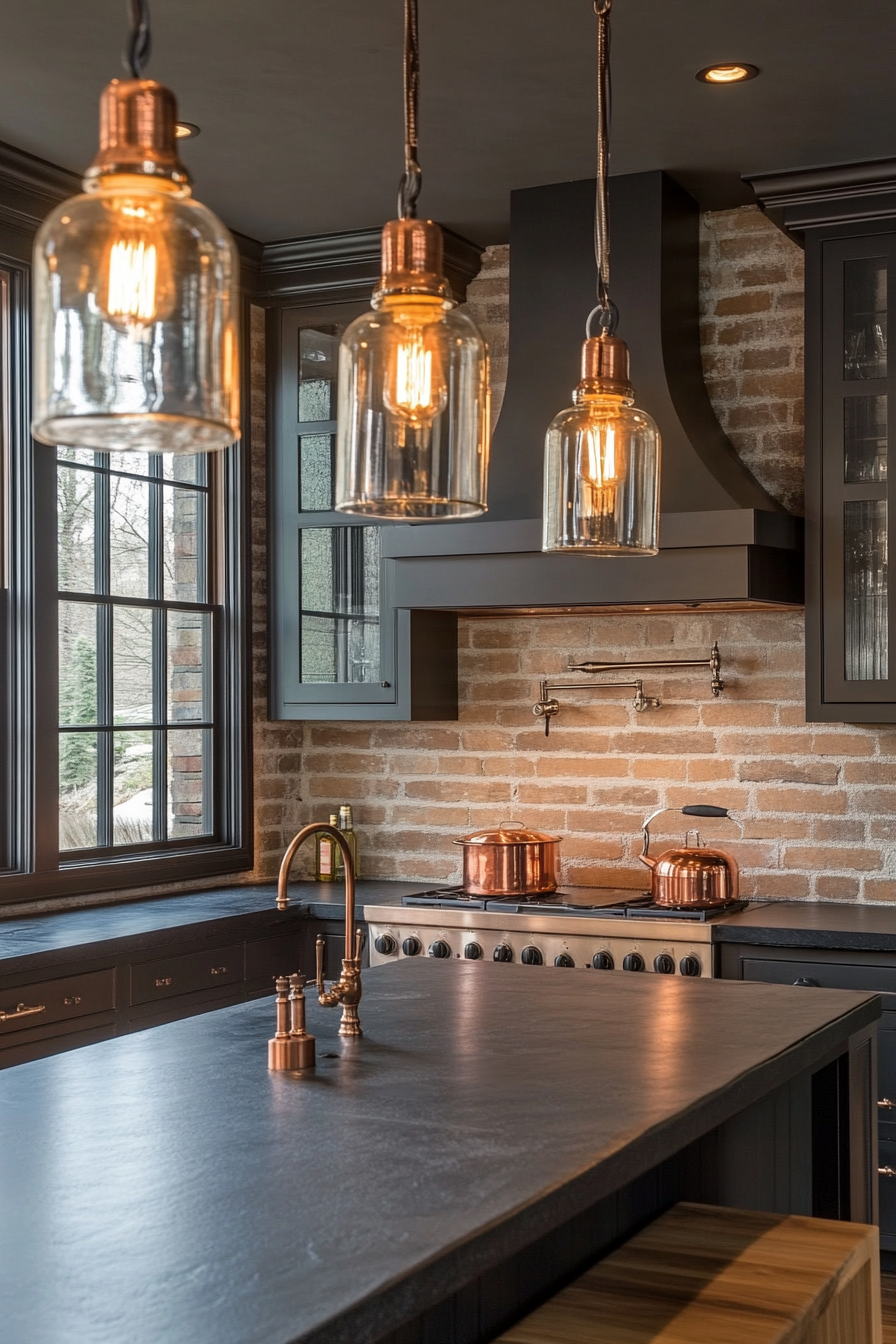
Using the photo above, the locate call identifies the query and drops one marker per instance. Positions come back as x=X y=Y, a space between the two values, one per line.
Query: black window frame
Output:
x=31 y=864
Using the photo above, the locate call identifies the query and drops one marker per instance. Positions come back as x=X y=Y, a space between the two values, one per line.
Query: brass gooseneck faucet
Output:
x=347 y=989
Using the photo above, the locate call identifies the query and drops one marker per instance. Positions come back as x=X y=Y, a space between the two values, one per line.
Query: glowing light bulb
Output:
x=132 y=280
x=415 y=387
x=413 y=423
x=136 y=297
x=601 y=482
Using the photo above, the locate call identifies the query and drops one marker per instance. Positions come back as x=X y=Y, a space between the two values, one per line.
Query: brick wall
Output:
x=816 y=801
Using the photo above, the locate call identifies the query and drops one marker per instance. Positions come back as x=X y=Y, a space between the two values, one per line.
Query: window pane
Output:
x=865 y=582
x=86 y=456
x=132 y=658
x=135 y=464
x=184 y=533
x=77 y=790
x=189 y=666
x=318 y=358
x=187 y=467
x=129 y=536
x=75 y=493
x=190 y=810
x=77 y=662
x=865 y=439
x=316 y=472
x=340 y=604
x=865 y=318
x=132 y=788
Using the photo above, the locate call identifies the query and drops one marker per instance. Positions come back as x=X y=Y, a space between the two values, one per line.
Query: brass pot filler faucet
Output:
x=292 y=1047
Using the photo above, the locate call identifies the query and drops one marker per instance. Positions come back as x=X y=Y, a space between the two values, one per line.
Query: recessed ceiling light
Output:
x=727 y=74
x=185 y=130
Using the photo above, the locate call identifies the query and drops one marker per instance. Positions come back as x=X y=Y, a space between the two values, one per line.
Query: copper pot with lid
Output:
x=510 y=861
x=693 y=876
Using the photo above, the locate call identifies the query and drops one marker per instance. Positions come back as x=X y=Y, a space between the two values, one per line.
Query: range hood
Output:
x=724 y=542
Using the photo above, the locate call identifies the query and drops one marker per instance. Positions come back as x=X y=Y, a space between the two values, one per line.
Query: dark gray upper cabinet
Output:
x=340 y=649
x=846 y=215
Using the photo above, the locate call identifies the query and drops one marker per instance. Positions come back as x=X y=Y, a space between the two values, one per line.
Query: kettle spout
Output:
x=648 y=860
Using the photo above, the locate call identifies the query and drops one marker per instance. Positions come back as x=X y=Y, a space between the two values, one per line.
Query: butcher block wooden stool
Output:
x=704 y=1275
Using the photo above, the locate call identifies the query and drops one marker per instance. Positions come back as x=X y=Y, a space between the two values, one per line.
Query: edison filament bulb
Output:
x=601 y=465
x=136 y=297
x=413 y=425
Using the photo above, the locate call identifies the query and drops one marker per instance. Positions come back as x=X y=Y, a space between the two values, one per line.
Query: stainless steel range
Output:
x=588 y=928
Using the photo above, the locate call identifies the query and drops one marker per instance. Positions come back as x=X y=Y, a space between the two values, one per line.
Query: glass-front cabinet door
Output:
x=858 y=287
x=331 y=644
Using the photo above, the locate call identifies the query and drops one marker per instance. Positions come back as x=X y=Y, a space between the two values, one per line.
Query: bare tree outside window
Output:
x=135 y=649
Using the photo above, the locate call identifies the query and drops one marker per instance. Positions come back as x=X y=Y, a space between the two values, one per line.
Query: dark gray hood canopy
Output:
x=724 y=541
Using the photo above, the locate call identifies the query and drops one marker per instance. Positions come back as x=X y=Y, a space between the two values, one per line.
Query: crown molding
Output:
x=840 y=193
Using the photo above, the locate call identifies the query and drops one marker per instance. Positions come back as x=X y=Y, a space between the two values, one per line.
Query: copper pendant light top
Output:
x=138 y=119
x=605 y=367
x=412 y=259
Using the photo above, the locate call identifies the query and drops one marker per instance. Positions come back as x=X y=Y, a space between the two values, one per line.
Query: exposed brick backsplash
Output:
x=751 y=331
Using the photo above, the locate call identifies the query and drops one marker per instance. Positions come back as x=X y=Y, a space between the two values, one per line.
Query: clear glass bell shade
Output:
x=601 y=478
x=136 y=299
x=413 y=436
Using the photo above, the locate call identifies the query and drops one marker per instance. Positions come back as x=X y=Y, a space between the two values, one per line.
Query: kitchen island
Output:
x=494 y=1130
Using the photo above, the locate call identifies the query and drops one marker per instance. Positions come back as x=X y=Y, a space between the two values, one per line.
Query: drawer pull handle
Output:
x=886 y=1171
x=162 y=981
x=219 y=970
x=21 y=1011
x=813 y=984
x=71 y=1000
x=886 y=1104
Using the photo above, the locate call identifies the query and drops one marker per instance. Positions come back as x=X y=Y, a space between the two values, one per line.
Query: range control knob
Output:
x=531 y=956
x=472 y=952
x=440 y=949
x=563 y=959
x=503 y=952
x=633 y=962
x=385 y=944
x=412 y=947
x=603 y=961
x=689 y=965
x=664 y=964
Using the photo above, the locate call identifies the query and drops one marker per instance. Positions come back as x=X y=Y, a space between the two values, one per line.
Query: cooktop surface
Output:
x=602 y=902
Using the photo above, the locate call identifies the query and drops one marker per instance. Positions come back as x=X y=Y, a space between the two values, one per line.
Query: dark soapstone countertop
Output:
x=165 y=1187
x=864 y=928
x=145 y=923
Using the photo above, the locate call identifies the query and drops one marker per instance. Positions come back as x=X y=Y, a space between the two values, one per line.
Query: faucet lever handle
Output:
x=319 y=954
x=360 y=940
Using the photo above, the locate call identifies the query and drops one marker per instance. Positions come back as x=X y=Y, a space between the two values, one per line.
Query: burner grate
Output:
x=635 y=907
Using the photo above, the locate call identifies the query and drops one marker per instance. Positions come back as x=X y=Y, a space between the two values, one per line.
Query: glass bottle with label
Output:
x=327 y=854
x=345 y=825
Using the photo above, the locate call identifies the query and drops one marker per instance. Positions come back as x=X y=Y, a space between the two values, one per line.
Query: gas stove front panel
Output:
x=571 y=943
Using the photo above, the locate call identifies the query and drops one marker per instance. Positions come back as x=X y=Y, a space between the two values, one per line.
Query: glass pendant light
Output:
x=602 y=456
x=136 y=291
x=413 y=423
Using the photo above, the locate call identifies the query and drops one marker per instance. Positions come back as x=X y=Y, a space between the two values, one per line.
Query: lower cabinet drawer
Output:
x=169 y=976
x=825 y=974
x=55 y=1001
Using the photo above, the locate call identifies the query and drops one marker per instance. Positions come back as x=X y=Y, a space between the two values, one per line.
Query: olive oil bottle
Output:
x=351 y=837
x=327 y=852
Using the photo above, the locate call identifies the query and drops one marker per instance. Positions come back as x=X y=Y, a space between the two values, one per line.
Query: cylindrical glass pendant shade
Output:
x=136 y=296
x=413 y=425
x=601 y=464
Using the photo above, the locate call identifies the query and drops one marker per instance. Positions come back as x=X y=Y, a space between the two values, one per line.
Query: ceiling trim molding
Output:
x=839 y=193
x=32 y=186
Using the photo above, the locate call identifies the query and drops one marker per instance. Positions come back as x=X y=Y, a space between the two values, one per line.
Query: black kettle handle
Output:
x=704 y=810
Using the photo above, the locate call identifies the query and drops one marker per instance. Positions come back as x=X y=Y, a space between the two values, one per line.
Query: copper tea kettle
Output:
x=692 y=877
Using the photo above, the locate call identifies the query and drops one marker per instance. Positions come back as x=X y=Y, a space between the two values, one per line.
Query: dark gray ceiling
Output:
x=299 y=101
